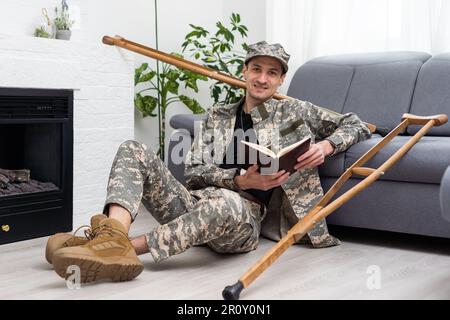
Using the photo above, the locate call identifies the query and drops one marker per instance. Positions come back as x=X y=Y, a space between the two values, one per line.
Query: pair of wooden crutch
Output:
x=323 y=208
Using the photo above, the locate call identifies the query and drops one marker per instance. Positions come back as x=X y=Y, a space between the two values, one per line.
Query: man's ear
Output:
x=283 y=76
x=244 y=71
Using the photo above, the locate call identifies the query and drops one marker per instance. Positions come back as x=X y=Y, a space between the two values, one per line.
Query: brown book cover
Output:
x=271 y=162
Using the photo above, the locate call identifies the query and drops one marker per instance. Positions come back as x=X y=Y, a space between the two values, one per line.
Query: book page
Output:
x=260 y=148
x=289 y=148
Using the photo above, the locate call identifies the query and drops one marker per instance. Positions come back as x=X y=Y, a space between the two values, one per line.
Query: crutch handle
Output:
x=108 y=40
x=439 y=119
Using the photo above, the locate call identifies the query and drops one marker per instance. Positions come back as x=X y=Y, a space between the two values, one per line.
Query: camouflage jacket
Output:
x=285 y=122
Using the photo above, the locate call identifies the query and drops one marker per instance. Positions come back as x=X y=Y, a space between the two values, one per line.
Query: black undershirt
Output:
x=244 y=122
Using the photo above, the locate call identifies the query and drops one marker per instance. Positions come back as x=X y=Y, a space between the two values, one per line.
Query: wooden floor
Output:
x=411 y=267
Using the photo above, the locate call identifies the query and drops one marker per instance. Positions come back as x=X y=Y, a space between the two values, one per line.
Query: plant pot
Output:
x=63 y=34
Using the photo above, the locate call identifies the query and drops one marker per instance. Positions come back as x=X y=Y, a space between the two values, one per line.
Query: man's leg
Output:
x=224 y=220
x=121 y=214
x=148 y=181
x=136 y=173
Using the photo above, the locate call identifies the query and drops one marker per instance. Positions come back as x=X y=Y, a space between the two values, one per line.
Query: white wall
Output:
x=134 y=19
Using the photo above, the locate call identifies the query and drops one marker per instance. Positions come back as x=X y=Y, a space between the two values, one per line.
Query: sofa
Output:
x=445 y=195
x=413 y=196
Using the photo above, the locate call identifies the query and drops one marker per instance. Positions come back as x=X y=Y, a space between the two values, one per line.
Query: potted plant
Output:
x=217 y=51
x=41 y=33
x=45 y=30
x=164 y=84
x=62 y=22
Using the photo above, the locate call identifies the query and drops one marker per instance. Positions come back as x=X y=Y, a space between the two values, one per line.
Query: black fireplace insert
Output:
x=36 y=163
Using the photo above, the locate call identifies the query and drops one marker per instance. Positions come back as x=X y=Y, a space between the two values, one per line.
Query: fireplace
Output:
x=36 y=162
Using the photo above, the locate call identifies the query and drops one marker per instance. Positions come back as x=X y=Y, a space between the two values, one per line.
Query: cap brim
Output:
x=283 y=64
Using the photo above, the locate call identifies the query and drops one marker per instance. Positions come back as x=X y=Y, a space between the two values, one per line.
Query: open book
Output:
x=271 y=162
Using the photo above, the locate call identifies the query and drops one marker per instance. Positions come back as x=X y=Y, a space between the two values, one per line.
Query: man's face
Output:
x=263 y=76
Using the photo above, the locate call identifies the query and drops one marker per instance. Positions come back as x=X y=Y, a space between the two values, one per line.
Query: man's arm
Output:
x=340 y=130
x=200 y=169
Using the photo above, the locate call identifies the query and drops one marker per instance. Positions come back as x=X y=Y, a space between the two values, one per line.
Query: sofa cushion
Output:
x=323 y=84
x=333 y=167
x=426 y=162
x=377 y=86
x=432 y=93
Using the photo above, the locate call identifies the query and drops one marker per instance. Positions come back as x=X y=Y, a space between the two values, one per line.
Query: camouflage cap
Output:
x=275 y=50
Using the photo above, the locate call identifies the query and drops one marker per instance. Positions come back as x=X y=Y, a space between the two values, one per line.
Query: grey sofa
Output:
x=413 y=196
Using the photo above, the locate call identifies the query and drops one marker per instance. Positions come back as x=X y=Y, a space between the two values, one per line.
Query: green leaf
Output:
x=224 y=67
x=192 y=75
x=172 y=86
x=216 y=93
x=239 y=69
x=191 y=34
x=192 y=104
x=146 y=77
x=209 y=59
x=173 y=74
x=242 y=32
x=138 y=71
x=146 y=105
x=230 y=36
x=192 y=83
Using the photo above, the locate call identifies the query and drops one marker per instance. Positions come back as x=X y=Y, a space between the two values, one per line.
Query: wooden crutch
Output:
x=323 y=209
x=188 y=65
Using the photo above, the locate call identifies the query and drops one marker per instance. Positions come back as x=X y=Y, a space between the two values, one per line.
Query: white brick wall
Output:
x=102 y=78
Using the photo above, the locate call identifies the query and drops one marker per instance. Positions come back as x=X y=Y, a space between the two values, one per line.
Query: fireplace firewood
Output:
x=3 y=181
x=26 y=187
x=22 y=175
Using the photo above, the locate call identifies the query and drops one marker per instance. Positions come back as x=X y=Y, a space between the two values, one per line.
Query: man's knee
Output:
x=133 y=145
x=136 y=148
x=222 y=213
x=242 y=238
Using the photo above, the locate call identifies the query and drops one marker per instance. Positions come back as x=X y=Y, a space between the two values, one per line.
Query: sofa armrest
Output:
x=445 y=195
x=180 y=142
x=186 y=121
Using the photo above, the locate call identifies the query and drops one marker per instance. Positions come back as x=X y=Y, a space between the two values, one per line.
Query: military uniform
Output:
x=212 y=209
x=277 y=124
x=216 y=216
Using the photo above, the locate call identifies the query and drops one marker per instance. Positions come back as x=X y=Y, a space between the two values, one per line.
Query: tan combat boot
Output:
x=109 y=255
x=62 y=240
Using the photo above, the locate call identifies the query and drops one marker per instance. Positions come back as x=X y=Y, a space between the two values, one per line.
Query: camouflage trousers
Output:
x=219 y=217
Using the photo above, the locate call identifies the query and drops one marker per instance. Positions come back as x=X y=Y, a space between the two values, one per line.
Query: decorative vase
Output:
x=63 y=34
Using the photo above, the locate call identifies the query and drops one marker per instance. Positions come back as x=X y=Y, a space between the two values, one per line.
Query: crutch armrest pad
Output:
x=108 y=40
x=440 y=119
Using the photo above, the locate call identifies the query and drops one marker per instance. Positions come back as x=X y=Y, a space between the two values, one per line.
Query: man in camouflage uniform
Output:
x=226 y=199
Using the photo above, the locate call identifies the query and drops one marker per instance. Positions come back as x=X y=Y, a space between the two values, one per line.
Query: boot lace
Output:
x=103 y=230
x=87 y=233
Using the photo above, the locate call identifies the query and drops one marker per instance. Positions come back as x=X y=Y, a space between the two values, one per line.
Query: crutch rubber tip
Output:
x=232 y=292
